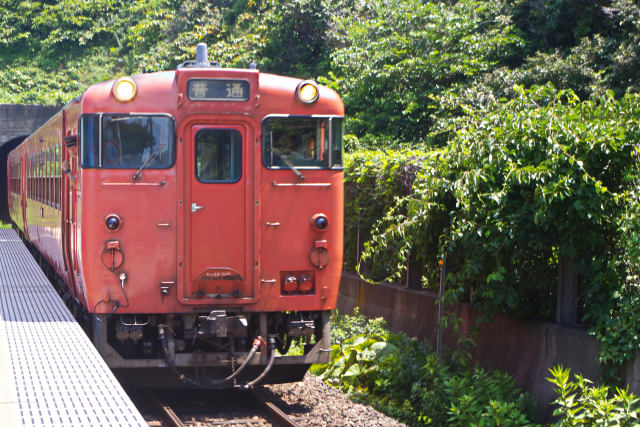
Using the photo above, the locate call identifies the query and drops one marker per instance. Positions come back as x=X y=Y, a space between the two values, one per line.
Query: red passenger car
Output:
x=200 y=221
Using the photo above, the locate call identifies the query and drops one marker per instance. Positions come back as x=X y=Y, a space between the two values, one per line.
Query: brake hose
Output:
x=257 y=343
x=272 y=358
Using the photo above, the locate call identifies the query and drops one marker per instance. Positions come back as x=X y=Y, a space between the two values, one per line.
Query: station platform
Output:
x=50 y=373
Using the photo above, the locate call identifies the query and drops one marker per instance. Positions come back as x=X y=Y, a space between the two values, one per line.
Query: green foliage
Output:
x=375 y=180
x=521 y=184
x=402 y=66
x=296 y=39
x=587 y=47
x=345 y=327
x=580 y=403
x=30 y=85
x=394 y=57
x=560 y=23
x=165 y=33
x=614 y=303
x=70 y=44
x=404 y=379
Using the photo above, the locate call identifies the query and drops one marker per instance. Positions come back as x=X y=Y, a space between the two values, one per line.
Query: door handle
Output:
x=195 y=207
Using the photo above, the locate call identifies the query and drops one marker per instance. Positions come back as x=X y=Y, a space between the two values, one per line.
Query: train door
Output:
x=70 y=216
x=217 y=240
x=23 y=188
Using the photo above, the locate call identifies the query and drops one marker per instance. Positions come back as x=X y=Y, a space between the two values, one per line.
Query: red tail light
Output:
x=290 y=284
x=305 y=284
x=296 y=282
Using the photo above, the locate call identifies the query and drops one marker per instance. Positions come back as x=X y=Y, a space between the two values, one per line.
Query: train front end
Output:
x=209 y=222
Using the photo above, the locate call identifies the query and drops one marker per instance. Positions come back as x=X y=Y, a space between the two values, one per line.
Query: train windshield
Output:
x=302 y=142
x=116 y=141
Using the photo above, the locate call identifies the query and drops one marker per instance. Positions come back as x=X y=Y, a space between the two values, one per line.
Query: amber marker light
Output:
x=125 y=89
x=307 y=92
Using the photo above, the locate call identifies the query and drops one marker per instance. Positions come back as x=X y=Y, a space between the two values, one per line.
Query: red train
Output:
x=195 y=218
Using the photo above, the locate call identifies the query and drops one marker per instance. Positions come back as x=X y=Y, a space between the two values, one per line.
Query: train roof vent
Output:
x=202 y=61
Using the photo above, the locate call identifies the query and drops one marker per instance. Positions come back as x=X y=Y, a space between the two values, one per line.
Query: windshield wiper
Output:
x=288 y=163
x=148 y=162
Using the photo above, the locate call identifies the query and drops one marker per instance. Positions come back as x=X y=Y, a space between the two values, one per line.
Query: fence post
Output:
x=442 y=263
x=413 y=279
x=567 y=292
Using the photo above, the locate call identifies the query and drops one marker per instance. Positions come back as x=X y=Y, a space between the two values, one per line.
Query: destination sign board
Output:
x=218 y=90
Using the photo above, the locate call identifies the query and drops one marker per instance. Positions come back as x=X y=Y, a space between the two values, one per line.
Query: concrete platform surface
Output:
x=50 y=373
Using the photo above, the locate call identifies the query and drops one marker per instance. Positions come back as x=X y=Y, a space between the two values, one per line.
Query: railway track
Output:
x=272 y=413
x=178 y=408
x=167 y=415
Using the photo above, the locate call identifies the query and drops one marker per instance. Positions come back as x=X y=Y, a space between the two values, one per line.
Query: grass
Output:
x=5 y=225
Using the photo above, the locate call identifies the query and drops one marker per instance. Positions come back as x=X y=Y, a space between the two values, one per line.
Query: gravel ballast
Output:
x=313 y=403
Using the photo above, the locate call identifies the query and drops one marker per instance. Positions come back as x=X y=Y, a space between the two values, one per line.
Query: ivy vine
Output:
x=520 y=184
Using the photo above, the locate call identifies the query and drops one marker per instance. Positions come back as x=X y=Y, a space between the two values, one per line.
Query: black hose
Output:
x=272 y=358
x=170 y=361
x=210 y=383
x=116 y=304
x=256 y=345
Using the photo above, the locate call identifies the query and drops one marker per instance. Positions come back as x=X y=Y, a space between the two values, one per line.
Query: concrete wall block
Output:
x=631 y=373
x=17 y=120
x=525 y=349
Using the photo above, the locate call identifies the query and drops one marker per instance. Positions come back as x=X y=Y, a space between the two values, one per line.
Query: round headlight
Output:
x=307 y=92
x=112 y=222
x=124 y=89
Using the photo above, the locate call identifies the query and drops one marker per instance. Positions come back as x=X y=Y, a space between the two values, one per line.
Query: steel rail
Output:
x=271 y=412
x=165 y=410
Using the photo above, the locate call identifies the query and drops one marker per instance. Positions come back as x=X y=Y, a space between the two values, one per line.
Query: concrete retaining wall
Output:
x=19 y=120
x=525 y=349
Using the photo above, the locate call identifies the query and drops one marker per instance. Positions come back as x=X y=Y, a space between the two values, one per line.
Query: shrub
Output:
x=403 y=378
x=581 y=403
